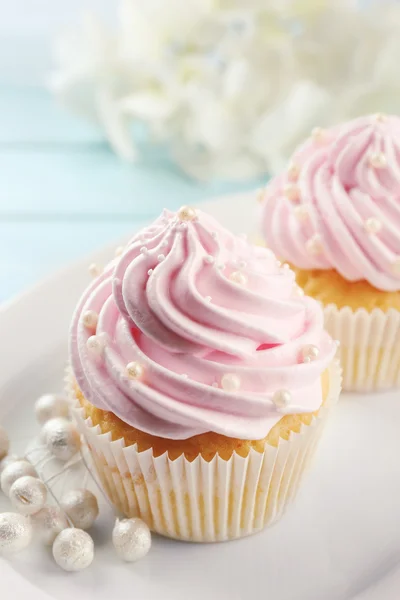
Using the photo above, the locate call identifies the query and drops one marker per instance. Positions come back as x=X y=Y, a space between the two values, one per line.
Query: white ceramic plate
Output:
x=341 y=539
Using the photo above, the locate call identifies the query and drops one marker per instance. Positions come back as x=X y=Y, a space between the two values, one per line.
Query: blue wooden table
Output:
x=63 y=192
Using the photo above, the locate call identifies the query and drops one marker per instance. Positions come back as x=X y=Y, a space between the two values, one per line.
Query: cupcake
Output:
x=334 y=215
x=201 y=380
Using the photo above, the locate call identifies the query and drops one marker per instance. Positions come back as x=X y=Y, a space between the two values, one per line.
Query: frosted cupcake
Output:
x=334 y=215
x=202 y=380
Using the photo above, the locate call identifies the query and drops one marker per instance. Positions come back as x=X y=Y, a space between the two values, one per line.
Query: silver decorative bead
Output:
x=61 y=438
x=4 y=443
x=51 y=406
x=81 y=507
x=7 y=460
x=131 y=539
x=15 y=532
x=281 y=398
x=230 y=382
x=14 y=471
x=49 y=522
x=73 y=550
x=28 y=495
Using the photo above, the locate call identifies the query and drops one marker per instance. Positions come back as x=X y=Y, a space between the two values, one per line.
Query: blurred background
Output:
x=112 y=109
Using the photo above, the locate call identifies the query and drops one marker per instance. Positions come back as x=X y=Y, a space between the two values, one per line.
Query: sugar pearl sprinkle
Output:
x=318 y=134
x=238 y=277
x=89 y=319
x=291 y=191
x=314 y=245
x=396 y=266
x=187 y=213
x=281 y=398
x=94 y=270
x=293 y=172
x=372 y=225
x=143 y=250
x=209 y=259
x=378 y=160
x=301 y=212
x=150 y=272
x=230 y=382
x=208 y=298
x=134 y=370
x=309 y=353
x=161 y=257
x=96 y=345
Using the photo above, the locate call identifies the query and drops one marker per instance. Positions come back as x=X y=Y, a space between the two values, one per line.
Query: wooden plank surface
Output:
x=63 y=192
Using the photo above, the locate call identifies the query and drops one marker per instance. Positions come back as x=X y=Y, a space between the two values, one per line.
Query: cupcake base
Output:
x=369 y=347
x=199 y=500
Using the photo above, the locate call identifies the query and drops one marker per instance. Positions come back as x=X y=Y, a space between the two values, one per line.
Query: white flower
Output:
x=231 y=86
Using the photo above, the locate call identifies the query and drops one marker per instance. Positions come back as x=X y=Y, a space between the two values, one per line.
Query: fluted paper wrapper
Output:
x=369 y=347
x=205 y=501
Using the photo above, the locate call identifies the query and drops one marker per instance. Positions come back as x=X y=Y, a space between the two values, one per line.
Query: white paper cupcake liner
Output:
x=369 y=347
x=205 y=501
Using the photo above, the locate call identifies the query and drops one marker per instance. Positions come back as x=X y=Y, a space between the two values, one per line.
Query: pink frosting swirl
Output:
x=216 y=326
x=338 y=204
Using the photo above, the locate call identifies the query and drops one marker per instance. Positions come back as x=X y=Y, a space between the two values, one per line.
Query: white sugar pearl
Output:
x=135 y=370
x=208 y=298
x=7 y=460
x=61 y=438
x=94 y=270
x=318 y=134
x=301 y=212
x=209 y=259
x=143 y=250
x=73 y=549
x=161 y=257
x=260 y=194
x=396 y=266
x=187 y=213
x=96 y=345
x=291 y=191
x=372 y=225
x=131 y=539
x=150 y=272
x=14 y=471
x=28 y=495
x=51 y=406
x=293 y=171
x=214 y=235
x=81 y=507
x=48 y=523
x=238 y=277
x=309 y=353
x=230 y=382
x=281 y=398
x=90 y=319
x=314 y=245
x=4 y=443
x=378 y=160
x=15 y=533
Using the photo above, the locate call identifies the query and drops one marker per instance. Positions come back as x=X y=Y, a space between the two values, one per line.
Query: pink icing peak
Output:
x=174 y=303
x=348 y=195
